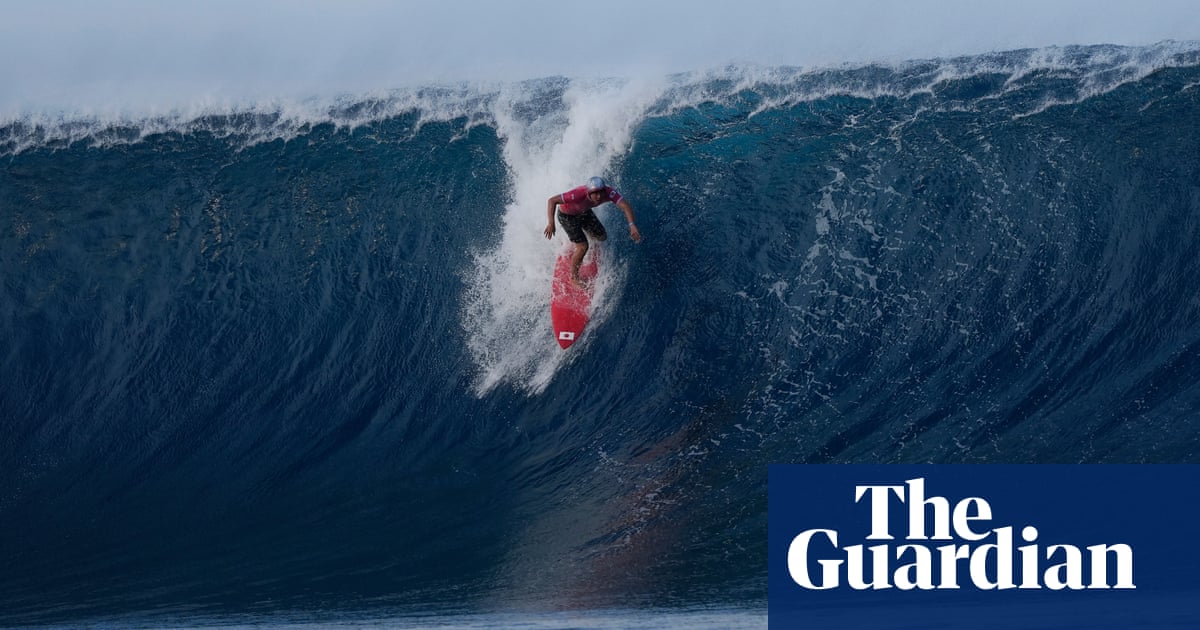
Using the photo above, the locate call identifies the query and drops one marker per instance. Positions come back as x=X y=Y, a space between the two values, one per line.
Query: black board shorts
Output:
x=576 y=224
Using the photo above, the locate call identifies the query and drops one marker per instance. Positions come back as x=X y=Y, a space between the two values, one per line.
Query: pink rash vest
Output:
x=576 y=201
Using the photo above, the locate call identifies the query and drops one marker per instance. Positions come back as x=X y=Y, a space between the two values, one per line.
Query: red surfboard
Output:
x=570 y=306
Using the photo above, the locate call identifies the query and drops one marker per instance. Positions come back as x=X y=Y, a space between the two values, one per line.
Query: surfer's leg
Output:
x=576 y=260
x=574 y=226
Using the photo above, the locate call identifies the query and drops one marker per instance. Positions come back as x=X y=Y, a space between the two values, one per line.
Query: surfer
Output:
x=576 y=216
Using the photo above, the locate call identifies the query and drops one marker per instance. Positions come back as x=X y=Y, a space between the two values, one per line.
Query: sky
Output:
x=76 y=53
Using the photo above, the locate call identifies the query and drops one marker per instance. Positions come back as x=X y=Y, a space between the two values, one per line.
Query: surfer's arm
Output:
x=628 y=210
x=551 y=206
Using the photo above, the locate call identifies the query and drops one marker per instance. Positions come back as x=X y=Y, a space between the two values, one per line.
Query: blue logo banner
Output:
x=984 y=546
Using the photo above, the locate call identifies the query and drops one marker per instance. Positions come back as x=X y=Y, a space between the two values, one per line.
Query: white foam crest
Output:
x=1108 y=69
x=250 y=122
x=1095 y=69
x=549 y=148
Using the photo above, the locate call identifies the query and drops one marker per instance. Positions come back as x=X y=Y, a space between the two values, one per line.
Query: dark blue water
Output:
x=259 y=362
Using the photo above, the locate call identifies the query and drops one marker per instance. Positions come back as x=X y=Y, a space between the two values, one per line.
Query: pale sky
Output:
x=80 y=52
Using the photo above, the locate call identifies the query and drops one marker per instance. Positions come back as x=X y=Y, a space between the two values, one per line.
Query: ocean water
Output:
x=290 y=363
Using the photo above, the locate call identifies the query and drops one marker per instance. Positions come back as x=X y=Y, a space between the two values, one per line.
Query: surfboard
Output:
x=570 y=306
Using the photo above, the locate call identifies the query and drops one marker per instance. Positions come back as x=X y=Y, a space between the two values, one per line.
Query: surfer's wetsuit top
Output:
x=576 y=217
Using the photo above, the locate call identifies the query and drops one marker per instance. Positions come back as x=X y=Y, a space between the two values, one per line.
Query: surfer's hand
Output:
x=634 y=233
x=549 y=232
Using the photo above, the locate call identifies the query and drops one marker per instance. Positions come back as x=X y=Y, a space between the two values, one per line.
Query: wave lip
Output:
x=1087 y=70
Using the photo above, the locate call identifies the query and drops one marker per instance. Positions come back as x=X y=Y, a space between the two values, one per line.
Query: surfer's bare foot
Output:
x=578 y=283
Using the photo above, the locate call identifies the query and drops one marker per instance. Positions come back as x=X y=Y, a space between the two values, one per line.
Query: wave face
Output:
x=299 y=357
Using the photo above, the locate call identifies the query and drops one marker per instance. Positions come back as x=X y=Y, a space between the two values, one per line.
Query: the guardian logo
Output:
x=948 y=546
